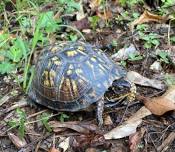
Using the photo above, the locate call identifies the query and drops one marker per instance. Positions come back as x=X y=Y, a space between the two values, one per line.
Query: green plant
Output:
x=19 y=123
x=44 y=119
x=169 y=79
x=69 y=6
x=114 y=43
x=123 y=63
x=142 y=27
x=172 y=39
x=63 y=116
x=130 y=3
x=150 y=40
x=135 y=57
x=94 y=21
x=73 y=37
x=45 y=24
x=164 y=57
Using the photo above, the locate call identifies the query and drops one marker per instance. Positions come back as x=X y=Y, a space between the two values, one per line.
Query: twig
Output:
x=167 y=141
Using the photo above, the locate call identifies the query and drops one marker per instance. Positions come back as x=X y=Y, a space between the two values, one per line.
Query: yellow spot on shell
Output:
x=74 y=87
x=68 y=83
x=71 y=53
x=78 y=71
x=80 y=48
x=54 y=49
x=56 y=60
x=52 y=73
x=93 y=59
x=46 y=83
x=69 y=72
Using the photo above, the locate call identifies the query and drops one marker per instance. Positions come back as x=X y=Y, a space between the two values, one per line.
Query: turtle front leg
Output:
x=100 y=109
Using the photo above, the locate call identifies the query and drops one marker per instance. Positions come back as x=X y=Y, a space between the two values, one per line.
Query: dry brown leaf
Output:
x=163 y=104
x=148 y=17
x=74 y=125
x=129 y=126
x=143 y=81
x=19 y=143
x=123 y=130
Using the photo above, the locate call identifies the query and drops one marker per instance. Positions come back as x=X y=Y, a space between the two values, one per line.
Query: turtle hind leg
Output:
x=100 y=109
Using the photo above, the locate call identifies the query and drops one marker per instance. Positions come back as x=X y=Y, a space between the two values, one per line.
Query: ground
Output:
x=139 y=35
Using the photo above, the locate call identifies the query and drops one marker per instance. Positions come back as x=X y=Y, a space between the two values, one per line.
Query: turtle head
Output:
x=120 y=90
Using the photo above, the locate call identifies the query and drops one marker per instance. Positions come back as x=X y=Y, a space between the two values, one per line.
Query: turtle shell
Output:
x=72 y=76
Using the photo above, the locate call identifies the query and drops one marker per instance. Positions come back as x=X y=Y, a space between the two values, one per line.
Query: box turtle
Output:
x=74 y=75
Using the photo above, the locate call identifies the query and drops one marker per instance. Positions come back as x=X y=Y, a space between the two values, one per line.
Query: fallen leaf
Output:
x=163 y=104
x=123 y=130
x=87 y=140
x=148 y=17
x=143 y=81
x=18 y=142
x=129 y=126
x=77 y=126
x=65 y=144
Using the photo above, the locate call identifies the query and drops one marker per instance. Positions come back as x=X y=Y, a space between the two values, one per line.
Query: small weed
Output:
x=150 y=40
x=69 y=6
x=164 y=57
x=63 y=116
x=94 y=21
x=130 y=3
x=44 y=119
x=19 y=123
x=169 y=79
x=73 y=37
x=172 y=39
x=123 y=63
x=135 y=57
x=142 y=27
x=114 y=43
x=166 y=4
